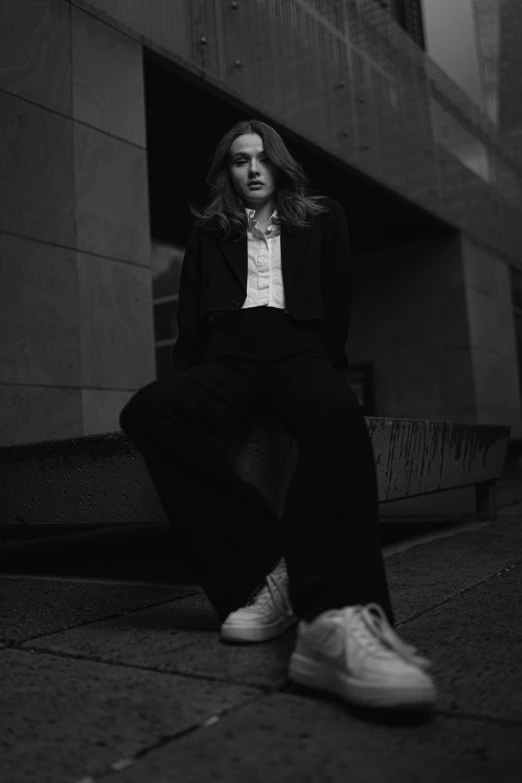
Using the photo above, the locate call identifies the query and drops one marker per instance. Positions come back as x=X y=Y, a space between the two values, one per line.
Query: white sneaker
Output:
x=267 y=614
x=354 y=653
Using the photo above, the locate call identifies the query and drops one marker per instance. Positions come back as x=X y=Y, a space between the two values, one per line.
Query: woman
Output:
x=263 y=320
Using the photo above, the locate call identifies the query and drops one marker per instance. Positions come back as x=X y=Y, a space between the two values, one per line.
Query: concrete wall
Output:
x=76 y=318
x=492 y=337
x=435 y=318
x=409 y=319
x=76 y=334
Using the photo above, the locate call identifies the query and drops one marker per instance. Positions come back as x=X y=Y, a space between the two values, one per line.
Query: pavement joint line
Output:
x=165 y=739
x=124 y=763
x=458 y=594
x=97 y=581
x=103 y=618
x=266 y=690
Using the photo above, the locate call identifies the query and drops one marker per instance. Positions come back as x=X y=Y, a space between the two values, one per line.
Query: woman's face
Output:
x=253 y=176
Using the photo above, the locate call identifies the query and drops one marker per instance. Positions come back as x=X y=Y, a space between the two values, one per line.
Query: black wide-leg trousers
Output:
x=260 y=358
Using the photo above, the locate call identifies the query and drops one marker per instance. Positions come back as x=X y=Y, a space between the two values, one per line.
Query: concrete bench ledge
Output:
x=102 y=479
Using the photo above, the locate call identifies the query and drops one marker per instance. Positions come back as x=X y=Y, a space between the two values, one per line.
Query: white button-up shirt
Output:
x=265 y=276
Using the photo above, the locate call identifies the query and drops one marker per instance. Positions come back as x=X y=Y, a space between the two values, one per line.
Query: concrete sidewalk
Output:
x=106 y=681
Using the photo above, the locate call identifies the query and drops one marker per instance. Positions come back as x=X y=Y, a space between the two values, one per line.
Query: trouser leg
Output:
x=331 y=510
x=230 y=533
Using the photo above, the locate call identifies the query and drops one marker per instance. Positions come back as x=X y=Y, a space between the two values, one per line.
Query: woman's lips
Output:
x=255 y=185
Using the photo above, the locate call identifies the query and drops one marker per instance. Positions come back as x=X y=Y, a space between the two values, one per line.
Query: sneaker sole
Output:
x=259 y=633
x=312 y=674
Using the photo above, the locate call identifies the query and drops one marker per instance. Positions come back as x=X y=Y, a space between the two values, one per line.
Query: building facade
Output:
x=434 y=315
x=488 y=35
x=499 y=30
x=408 y=14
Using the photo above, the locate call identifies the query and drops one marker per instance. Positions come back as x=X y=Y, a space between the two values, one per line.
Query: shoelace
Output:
x=375 y=631
x=268 y=591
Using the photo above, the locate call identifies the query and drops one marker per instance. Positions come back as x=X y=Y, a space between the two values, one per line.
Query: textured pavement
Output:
x=124 y=683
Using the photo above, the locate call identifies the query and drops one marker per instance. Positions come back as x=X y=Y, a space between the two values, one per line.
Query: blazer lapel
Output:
x=236 y=254
x=292 y=248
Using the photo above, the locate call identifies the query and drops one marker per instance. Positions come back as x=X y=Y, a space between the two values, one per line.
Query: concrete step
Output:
x=103 y=479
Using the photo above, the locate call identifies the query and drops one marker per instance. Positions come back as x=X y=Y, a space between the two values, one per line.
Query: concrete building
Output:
x=498 y=25
x=109 y=110
x=452 y=42
x=408 y=14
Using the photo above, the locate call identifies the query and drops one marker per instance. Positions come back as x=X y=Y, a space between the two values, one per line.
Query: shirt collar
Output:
x=252 y=212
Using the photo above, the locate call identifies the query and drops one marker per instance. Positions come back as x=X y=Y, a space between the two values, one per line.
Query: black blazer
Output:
x=317 y=279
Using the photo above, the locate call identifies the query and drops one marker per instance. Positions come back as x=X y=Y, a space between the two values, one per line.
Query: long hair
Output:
x=225 y=213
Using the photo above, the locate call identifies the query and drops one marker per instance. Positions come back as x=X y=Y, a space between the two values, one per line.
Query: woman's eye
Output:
x=240 y=161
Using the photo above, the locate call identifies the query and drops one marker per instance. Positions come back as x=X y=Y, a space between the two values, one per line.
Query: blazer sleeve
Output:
x=336 y=287
x=188 y=349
